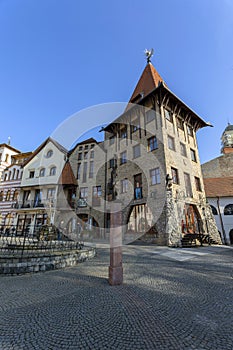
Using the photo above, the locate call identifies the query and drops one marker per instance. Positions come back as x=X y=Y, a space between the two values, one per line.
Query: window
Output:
x=52 y=171
x=111 y=140
x=138 y=186
x=42 y=172
x=171 y=143
x=17 y=174
x=86 y=147
x=124 y=185
x=49 y=154
x=188 y=186
x=123 y=157
x=112 y=163
x=197 y=183
x=85 y=172
x=136 y=151
x=183 y=149
x=15 y=195
x=13 y=174
x=150 y=115
x=5 y=177
x=152 y=143
x=0 y=157
x=123 y=133
x=80 y=156
x=180 y=123
x=1 y=196
x=96 y=194
x=85 y=155
x=78 y=170
x=8 y=195
x=91 y=170
x=155 y=176
x=92 y=154
x=80 y=148
x=6 y=158
x=168 y=115
x=51 y=193
x=228 y=210
x=135 y=124
x=9 y=175
x=189 y=130
x=175 y=178
x=214 y=210
x=31 y=174
x=193 y=155
x=83 y=192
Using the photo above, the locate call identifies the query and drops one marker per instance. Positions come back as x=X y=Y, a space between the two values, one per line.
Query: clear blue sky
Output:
x=61 y=56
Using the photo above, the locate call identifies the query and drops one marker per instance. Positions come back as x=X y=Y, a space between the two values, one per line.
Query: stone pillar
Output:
x=115 y=268
x=173 y=229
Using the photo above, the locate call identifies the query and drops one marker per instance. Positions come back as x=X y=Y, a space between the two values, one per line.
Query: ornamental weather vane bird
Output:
x=148 y=54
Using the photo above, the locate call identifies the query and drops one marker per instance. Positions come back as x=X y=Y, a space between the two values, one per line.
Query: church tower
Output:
x=227 y=140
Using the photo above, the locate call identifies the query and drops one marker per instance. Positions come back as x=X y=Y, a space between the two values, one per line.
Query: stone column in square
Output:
x=115 y=268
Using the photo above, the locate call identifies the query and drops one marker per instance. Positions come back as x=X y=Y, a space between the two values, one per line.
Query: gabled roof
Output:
x=49 y=139
x=149 y=80
x=10 y=147
x=67 y=176
x=218 y=187
x=151 y=83
x=85 y=142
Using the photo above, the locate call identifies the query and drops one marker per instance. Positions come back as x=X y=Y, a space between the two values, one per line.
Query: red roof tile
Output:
x=67 y=176
x=148 y=81
x=219 y=186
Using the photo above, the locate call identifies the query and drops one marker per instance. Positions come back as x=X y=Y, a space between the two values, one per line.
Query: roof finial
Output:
x=149 y=54
x=9 y=141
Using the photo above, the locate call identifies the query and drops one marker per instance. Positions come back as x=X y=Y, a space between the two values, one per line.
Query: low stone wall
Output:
x=28 y=264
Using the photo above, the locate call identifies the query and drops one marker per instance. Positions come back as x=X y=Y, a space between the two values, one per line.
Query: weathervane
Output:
x=148 y=54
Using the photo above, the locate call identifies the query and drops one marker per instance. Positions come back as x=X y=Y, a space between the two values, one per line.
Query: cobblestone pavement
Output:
x=171 y=299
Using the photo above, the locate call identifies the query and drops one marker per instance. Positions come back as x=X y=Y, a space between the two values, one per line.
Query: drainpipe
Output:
x=221 y=221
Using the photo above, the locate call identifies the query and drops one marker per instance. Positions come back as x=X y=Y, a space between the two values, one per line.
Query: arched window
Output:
x=17 y=174
x=49 y=154
x=52 y=171
x=13 y=175
x=8 y=195
x=42 y=172
x=1 y=196
x=228 y=210
x=15 y=195
x=9 y=176
x=214 y=210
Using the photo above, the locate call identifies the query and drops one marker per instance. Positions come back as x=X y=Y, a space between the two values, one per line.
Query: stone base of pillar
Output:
x=115 y=275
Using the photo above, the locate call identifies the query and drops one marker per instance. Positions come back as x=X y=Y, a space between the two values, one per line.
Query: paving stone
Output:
x=170 y=299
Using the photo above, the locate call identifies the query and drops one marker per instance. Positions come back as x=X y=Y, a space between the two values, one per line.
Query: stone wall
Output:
x=54 y=261
x=218 y=167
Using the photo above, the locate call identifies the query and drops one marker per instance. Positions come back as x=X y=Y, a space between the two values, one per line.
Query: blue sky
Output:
x=61 y=56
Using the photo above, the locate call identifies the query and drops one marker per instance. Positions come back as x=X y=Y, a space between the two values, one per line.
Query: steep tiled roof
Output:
x=148 y=81
x=67 y=176
x=219 y=186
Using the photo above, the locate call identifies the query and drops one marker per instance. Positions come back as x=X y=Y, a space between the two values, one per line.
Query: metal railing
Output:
x=36 y=240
